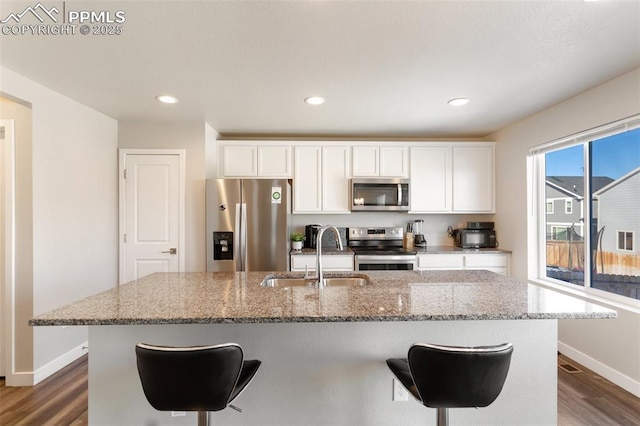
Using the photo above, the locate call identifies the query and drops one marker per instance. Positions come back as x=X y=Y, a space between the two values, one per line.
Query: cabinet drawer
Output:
x=485 y=261
x=329 y=263
x=440 y=261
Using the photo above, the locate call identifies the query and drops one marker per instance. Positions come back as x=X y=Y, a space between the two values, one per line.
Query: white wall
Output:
x=611 y=347
x=73 y=201
x=191 y=137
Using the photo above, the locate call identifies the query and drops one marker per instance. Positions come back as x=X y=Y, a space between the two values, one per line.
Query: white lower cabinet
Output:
x=330 y=263
x=494 y=262
x=498 y=263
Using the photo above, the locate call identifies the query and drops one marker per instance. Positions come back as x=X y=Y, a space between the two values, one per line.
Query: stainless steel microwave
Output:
x=380 y=194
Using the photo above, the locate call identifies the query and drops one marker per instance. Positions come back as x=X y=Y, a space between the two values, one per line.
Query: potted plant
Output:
x=296 y=240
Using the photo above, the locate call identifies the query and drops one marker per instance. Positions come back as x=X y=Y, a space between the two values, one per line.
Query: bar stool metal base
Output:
x=443 y=416
x=203 y=418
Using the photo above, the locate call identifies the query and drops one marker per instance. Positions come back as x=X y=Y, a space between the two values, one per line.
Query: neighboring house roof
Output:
x=617 y=182
x=574 y=185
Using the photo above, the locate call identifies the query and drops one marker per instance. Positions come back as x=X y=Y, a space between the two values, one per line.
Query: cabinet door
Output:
x=240 y=161
x=335 y=179
x=365 y=161
x=430 y=179
x=330 y=263
x=473 y=179
x=498 y=263
x=393 y=161
x=440 y=261
x=307 y=180
x=274 y=161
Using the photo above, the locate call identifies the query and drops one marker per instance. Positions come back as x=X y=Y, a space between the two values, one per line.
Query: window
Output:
x=597 y=175
x=560 y=233
x=625 y=240
x=568 y=206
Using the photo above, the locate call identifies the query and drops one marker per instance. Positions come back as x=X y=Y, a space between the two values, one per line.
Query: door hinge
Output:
x=124 y=173
x=124 y=238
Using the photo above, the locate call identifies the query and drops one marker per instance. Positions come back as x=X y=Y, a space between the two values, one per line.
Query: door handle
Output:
x=171 y=251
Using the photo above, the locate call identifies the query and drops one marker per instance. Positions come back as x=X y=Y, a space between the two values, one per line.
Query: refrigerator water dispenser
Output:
x=223 y=246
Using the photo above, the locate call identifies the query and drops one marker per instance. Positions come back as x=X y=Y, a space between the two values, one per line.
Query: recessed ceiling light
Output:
x=314 y=100
x=166 y=99
x=458 y=101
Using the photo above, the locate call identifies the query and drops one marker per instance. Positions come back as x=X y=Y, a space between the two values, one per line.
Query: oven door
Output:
x=385 y=263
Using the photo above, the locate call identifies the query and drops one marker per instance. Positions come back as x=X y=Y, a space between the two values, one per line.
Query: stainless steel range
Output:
x=380 y=249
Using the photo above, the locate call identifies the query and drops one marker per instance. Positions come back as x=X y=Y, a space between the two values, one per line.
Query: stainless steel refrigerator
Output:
x=247 y=224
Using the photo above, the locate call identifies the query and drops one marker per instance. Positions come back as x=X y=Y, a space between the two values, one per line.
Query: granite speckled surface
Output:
x=238 y=297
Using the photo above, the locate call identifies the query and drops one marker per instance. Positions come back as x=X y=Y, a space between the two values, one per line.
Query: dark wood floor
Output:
x=61 y=399
x=584 y=399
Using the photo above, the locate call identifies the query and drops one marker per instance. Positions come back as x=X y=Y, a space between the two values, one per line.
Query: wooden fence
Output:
x=566 y=254
x=570 y=255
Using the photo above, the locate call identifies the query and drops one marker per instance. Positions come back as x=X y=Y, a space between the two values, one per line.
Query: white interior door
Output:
x=151 y=212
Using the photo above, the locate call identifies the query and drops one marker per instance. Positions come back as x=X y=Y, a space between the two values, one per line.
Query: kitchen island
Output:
x=323 y=351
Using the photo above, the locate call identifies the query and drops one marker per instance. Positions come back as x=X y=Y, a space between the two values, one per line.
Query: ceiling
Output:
x=386 y=68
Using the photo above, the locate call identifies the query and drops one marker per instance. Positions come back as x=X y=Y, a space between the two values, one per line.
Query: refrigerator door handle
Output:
x=243 y=237
x=237 y=238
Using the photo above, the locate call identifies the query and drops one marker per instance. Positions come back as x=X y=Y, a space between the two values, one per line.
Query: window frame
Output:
x=625 y=249
x=537 y=226
x=550 y=203
x=568 y=206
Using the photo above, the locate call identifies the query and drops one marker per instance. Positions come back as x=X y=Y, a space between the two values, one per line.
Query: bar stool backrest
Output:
x=452 y=376
x=198 y=378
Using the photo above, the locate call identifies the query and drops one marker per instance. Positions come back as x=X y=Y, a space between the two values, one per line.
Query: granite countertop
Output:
x=237 y=297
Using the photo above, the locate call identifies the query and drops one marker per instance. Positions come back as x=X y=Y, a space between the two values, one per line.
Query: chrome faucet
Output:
x=319 y=272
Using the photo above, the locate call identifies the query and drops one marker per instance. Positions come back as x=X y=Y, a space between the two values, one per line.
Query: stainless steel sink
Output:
x=358 y=280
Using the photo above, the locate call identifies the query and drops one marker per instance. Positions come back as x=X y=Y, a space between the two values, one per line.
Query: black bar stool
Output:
x=446 y=377
x=198 y=378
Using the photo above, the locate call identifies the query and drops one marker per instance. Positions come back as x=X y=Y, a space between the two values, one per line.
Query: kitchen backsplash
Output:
x=435 y=226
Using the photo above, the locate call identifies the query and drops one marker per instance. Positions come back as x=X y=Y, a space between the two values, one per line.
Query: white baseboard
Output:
x=62 y=361
x=19 y=379
x=625 y=382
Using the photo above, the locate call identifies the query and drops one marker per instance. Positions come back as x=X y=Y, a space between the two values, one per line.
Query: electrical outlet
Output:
x=178 y=413
x=399 y=391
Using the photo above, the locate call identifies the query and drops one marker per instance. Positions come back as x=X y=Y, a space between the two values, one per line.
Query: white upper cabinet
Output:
x=321 y=179
x=473 y=179
x=243 y=159
x=453 y=178
x=380 y=161
x=430 y=179
x=239 y=161
x=335 y=179
x=307 y=179
x=274 y=161
x=393 y=161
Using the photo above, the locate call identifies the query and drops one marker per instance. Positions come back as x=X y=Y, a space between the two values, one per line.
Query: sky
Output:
x=613 y=156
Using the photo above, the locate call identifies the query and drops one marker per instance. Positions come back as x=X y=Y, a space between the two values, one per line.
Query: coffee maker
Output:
x=311 y=233
x=418 y=237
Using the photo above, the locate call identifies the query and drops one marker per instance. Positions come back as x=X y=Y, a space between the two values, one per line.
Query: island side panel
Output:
x=328 y=373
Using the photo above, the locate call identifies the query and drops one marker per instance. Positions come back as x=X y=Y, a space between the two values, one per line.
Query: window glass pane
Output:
x=565 y=226
x=615 y=201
